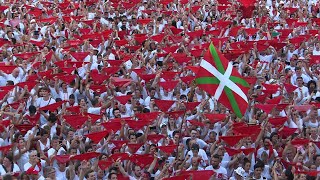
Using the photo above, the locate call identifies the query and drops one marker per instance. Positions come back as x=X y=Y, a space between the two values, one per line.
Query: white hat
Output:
x=32 y=21
x=163 y=124
x=240 y=171
x=281 y=2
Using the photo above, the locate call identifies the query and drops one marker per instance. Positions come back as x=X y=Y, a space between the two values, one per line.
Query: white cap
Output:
x=240 y=171
x=163 y=124
x=32 y=21
x=281 y=2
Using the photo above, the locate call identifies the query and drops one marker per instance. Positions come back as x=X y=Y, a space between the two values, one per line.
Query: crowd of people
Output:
x=98 y=89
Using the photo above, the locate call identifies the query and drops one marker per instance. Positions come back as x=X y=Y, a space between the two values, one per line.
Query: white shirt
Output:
x=14 y=170
x=220 y=173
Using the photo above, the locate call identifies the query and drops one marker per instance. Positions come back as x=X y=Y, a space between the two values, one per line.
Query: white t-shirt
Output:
x=14 y=170
x=61 y=175
x=220 y=173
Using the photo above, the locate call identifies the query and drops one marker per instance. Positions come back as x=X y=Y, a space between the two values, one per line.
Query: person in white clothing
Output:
x=8 y=166
x=14 y=76
x=219 y=171
x=42 y=101
x=35 y=163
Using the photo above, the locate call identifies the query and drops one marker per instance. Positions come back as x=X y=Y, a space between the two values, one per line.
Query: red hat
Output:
x=168 y=149
x=103 y=165
x=164 y=105
x=136 y=125
x=96 y=137
x=7 y=69
x=142 y=160
x=134 y=147
x=191 y=105
x=123 y=99
x=5 y=148
x=75 y=121
x=121 y=156
x=168 y=85
x=155 y=138
x=302 y=108
x=79 y=56
x=232 y=140
x=115 y=126
x=52 y=107
x=267 y=108
x=150 y=116
x=24 y=128
x=62 y=158
x=85 y=156
x=278 y=121
x=187 y=79
x=286 y=132
x=196 y=123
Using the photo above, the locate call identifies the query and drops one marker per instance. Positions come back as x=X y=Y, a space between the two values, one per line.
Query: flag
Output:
x=218 y=78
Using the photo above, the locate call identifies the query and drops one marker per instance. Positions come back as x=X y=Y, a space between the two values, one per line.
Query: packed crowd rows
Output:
x=106 y=90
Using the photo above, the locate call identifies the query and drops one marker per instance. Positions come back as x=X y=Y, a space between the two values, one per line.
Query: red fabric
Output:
x=52 y=107
x=231 y=140
x=134 y=147
x=123 y=99
x=278 y=121
x=155 y=138
x=164 y=105
x=62 y=158
x=85 y=156
x=167 y=149
x=103 y=165
x=96 y=137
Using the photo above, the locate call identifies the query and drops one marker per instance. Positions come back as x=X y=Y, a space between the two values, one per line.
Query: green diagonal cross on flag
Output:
x=218 y=78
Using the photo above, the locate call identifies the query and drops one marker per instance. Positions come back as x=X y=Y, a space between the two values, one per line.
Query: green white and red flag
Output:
x=217 y=77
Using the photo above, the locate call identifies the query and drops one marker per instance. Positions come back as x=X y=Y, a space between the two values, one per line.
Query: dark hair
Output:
x=259 y=164
x=32 y=109
x=110 y=174
x=216 y=156
x=195 y=147
x=52 y=118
